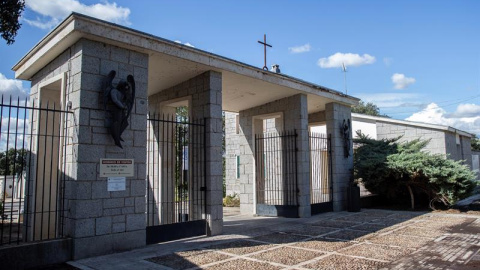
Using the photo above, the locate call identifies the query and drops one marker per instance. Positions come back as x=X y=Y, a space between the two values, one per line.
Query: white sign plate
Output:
x=116 y=167
x=116 y=183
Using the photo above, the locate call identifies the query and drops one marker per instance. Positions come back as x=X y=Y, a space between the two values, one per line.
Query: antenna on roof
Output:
x=344 y=69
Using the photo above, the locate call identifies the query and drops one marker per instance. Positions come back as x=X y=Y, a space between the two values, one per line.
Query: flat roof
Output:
x=410 y=123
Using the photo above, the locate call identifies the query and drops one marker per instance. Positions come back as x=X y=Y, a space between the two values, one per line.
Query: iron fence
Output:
x=320 y=172
x=176 y=170
x=276 y=168
x=32 y=164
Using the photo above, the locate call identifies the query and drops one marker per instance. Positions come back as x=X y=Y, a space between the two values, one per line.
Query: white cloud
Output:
x=12 y=87
x=349 y=59
x=186 y=43
x=400 y=81
x=300 y=49
x=462 y=118
x=53 y=11
x=467 y=110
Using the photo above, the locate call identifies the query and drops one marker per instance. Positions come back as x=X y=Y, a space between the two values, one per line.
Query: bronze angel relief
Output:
x=122 y=96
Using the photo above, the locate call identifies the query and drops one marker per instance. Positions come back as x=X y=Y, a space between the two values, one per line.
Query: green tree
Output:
x=475 y=143
x=10 y=11
x=387 y=166
x=13 y=161
x=367 y=108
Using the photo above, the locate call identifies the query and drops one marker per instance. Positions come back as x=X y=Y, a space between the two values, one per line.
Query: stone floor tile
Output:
x=287 y=255
x=243 y=264
x=241 y=247
x=338 y=262
x=323 y=244
x=188 y=259
x=348 y=234
x=281 y=238
x=378 y=252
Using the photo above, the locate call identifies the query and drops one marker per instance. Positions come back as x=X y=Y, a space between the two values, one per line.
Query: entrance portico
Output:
x=170 y=75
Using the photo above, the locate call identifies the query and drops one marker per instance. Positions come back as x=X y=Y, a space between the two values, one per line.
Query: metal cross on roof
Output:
x=265 y=50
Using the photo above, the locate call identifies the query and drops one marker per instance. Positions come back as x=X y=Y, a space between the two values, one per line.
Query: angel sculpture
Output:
x=122 y=97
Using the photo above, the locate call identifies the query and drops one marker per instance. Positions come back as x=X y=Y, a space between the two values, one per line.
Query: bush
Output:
x=386 y=167
x=231 y=200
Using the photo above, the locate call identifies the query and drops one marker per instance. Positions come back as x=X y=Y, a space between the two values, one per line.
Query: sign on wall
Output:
x=116 y=183
x=116 y=167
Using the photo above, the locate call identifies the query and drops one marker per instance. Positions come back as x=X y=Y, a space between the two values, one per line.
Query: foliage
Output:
x=367 y=108
x=17 y=160
x=475 y=143
x=387 y=166
x=10 y=11
x=231 y=200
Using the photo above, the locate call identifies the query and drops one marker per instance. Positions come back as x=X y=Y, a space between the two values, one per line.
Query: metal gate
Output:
x=33 y=163
x=176 y=190
x=276 y=174
x=320 y=173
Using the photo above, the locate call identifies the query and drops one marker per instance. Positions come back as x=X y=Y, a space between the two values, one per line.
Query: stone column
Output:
x=99 y=221
x=342 y=167
x=295 y=116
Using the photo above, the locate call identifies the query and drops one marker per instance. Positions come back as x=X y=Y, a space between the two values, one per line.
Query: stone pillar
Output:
x=99 y=221
x=342 y=167
x=204 y=94
x=295 y=116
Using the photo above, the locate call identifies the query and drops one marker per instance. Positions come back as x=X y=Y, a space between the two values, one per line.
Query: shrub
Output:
x=386 y=166
x=231 y=200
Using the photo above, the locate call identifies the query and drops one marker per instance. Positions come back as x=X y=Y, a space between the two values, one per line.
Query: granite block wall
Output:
x=114 y=220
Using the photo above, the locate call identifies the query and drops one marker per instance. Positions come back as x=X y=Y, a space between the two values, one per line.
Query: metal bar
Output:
x=29 y=179
x=23 y=167
x=64 y=174
x=43 y=177
x=6 y=166
x=205 y=166
x=51 y=172
x=14 y=174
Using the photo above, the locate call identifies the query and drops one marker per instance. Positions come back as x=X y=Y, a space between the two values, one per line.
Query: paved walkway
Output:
x=371 y=239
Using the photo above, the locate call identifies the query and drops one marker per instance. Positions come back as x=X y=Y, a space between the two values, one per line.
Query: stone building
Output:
x=444 y=140
x=172 y=186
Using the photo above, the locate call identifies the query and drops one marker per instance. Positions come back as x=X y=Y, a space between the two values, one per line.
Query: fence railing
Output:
x=276 y=168
x=176 y=170
x=33 y=154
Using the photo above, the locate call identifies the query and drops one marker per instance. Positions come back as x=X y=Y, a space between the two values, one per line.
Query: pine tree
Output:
x=387 y=166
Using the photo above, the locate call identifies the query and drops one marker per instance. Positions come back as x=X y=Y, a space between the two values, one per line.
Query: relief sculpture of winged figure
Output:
x=123 y=97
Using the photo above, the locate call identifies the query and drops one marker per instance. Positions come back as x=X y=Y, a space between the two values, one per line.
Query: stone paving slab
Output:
x=371 y=239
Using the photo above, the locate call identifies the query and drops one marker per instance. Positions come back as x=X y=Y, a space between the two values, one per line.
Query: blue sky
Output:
x=417 y=60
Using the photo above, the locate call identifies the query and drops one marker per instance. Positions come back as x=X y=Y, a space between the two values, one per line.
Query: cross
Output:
x=265 y=50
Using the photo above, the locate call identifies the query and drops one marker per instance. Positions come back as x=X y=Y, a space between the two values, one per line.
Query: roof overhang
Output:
x=171 y=63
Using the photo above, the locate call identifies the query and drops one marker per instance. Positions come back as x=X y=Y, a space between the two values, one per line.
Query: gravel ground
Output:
x=336 y=223
x=324 y=244
x=241 y=247
x=378 y=252
x=393 y=239
x=242 y=264
x=350 y=235
x=309 y=230
x=358 y=218
x=419 y=231
x=188 y=259
x=287 y=255
x=369 y=227
x=337 y=262
x=280 y=238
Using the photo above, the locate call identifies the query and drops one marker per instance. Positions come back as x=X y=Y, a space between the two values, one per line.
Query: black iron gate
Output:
x=276 y=174
x=320 y=173
x=176 y=190
x=33 y=161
